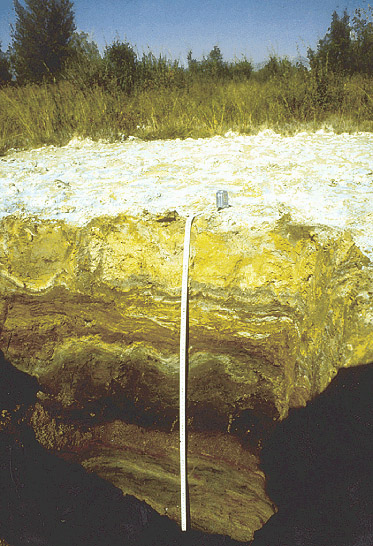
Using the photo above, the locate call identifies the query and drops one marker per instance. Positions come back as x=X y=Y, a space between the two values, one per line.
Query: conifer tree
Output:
x=41 y=37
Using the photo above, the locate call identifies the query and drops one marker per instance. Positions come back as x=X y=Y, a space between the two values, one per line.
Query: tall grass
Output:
x=53 y=113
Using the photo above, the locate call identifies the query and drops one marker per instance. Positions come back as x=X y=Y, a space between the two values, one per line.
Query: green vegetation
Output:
x=41 y=38
x=78 y=92
x=346 y=48
x=5 y=75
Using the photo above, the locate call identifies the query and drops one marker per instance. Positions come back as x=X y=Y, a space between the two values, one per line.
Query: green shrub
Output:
x=120 y=65
x=158 y=72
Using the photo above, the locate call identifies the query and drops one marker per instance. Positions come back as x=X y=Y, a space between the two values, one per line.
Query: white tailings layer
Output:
x=320 y=178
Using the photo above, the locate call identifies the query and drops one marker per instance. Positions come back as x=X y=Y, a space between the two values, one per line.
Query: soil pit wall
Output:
x=93 y=312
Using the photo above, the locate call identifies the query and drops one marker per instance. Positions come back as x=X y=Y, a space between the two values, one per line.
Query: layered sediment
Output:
x=93 y=312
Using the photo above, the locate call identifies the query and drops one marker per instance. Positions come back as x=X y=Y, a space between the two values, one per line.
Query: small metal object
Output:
x=222 y=199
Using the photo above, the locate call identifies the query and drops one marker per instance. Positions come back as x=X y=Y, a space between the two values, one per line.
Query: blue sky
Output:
x=172 y=27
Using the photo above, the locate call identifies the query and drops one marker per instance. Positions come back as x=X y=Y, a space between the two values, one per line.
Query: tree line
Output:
x=45 y=46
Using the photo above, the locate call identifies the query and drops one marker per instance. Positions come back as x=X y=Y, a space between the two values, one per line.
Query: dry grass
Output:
x=37 y=115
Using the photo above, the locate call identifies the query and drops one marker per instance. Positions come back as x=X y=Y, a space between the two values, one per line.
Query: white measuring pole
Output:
x=183 y=374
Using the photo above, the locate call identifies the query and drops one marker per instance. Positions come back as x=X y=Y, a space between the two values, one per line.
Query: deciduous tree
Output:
x=362 y=30
x=5 y=75
x=41 y=38
x=334 y=51
x=84 y=66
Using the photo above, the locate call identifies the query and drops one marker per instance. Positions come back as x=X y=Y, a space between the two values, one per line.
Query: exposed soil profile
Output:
x=47 y=501
x=280 y=300
x=317 y=463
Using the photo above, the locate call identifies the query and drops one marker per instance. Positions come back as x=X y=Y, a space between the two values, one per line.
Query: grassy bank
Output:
x=36 y=115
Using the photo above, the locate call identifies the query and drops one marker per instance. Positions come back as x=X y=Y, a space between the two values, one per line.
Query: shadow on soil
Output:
x=318 y=464
x=319 y=468
x=46 y=501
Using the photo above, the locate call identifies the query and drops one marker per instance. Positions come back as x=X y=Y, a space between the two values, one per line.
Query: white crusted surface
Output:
x=319 y=177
